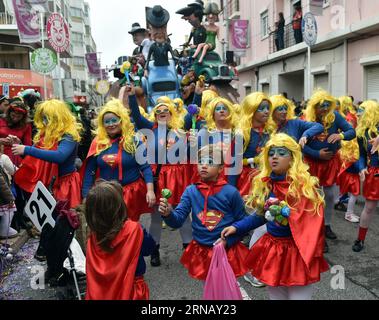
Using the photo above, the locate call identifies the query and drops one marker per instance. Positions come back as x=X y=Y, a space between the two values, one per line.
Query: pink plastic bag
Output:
x=221 y=283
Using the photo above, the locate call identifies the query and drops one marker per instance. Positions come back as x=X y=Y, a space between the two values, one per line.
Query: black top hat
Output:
x=136 y=28
x=157 y=16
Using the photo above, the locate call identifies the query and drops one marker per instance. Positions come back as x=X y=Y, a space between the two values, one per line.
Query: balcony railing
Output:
x=6 y=19
x=289 y=38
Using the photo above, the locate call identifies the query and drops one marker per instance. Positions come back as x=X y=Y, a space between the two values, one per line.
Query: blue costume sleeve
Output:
x=148 y=244
x=347 y=130
x=197 y=99
x=311 y=152
x=310 y=129
x=65 y=148
x=146 y=168
x=140 y=121
x=238 y=208
x=177 y=217
x=249 y=223
x=362 y=163
x=89 y=175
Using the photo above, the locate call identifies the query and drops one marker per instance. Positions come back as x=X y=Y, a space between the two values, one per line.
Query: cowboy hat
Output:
x=157 y=16
x=136 y=27
x=186 y=12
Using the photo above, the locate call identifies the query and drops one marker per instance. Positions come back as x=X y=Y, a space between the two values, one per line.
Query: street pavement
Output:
x=171 y=282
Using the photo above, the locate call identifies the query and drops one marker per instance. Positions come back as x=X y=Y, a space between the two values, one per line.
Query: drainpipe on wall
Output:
x=346 y=56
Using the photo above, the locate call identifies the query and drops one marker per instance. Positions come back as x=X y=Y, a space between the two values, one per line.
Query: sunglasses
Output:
x=264 y=107
x=325 y=105
x=280 y=152
x=162 y=111
x=221 y=108
x=111 y=122
x=282 y=109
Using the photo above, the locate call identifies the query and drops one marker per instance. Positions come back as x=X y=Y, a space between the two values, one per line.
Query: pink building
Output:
x=345 y=59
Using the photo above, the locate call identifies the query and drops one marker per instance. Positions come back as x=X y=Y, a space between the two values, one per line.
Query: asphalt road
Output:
x=359 y=281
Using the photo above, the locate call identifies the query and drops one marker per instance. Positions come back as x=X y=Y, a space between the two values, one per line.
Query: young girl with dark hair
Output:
x=115 y=265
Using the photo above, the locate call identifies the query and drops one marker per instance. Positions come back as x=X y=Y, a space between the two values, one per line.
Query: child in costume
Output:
x=367 y=132
x=220 y=129
x=7 y=207
x=167 y=136
x=283 y=120
x=212 y=31
x=214 y=205
x=348 y=175
x=289 y=258
x=256 y=109
x=115 y=249
x=112 y=156
x=321 y=153
x=54 y=153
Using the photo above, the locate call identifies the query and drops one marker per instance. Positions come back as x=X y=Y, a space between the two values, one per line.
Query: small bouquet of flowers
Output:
x=278 y=211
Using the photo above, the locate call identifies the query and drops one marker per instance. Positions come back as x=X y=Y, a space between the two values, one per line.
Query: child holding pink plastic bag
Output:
x=215 y=205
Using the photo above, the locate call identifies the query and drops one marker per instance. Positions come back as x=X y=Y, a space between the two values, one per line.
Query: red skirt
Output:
x=176 y=178
x=140 y=289
x=245 y=180
x=371 y=185
x=277 y=262
x=325 y=171
x=197 y=259
x=135 y=199
x=349 y=183
x=68 y=188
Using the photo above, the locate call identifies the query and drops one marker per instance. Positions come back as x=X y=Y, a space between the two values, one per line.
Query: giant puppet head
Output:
x=157 y=18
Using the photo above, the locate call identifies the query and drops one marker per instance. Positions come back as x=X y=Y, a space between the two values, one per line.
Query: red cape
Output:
x=33 y=170
x=91 y=153
x=110 y=276
x=307 y=227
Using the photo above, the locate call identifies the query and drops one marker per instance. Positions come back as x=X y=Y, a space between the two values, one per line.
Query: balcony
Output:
x=289 y=38
x=7 y=19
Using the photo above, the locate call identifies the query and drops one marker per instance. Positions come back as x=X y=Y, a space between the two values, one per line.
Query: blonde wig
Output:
x=211 y=125
x=176 y=122
x=369 y=121
x=60 y=122
x=318 y=98
x=302 y=184
x=278 y=101
x=128 y=134
x=249 y=106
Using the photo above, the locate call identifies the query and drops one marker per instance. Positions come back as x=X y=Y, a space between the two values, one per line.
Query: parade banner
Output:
x=27 y=19
x=57 y=33
x=38 y=5
x=93 y=64
x=239 y=35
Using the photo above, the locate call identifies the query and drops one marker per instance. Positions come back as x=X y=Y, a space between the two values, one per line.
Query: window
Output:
x=78 y=61
x=164 y=86
x=77 y=37
x=248 y=90
x=264 y=24
x=76 y=12
x=372 y=80
x=321 y=81
x=83 y=86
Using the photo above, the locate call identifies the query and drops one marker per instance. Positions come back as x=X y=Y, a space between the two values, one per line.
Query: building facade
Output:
x=345 y=59
x=77 y=84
